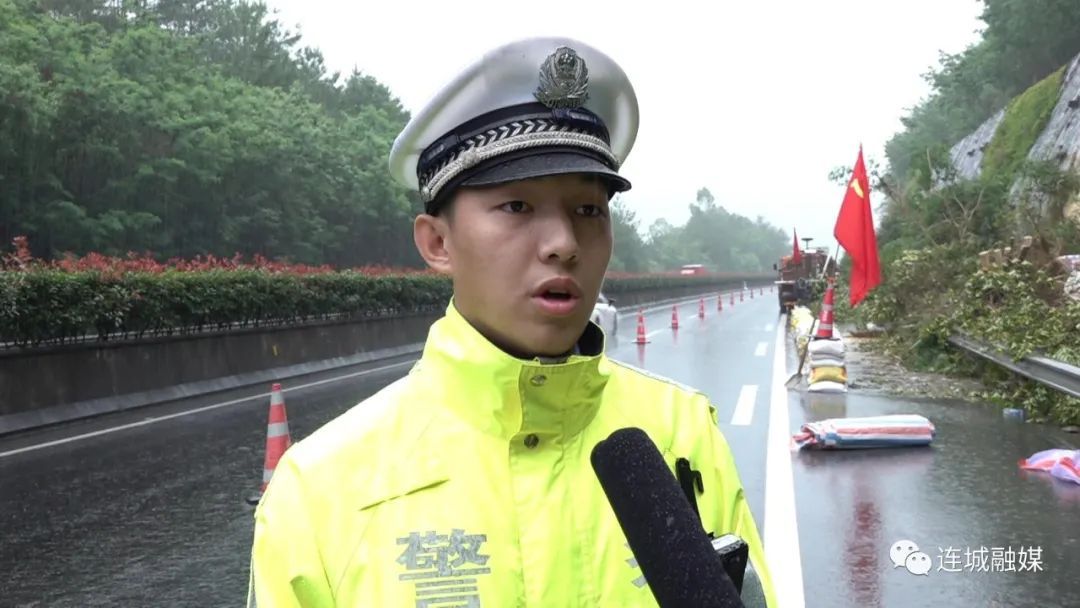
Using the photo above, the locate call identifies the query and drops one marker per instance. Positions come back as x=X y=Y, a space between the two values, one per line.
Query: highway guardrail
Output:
x=1055 y=374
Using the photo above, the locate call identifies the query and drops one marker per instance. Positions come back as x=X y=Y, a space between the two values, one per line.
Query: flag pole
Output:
x=835 y=258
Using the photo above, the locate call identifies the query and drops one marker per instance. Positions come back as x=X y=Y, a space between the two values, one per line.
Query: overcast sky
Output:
x=756 y=101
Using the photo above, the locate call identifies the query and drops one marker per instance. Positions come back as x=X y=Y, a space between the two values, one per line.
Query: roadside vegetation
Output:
x=192 y=128
x=934 y=225
x=179 y=166
x=103 y=298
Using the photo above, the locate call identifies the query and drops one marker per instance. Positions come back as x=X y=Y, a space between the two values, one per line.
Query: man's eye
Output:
x=513 y=206
x=593 y=210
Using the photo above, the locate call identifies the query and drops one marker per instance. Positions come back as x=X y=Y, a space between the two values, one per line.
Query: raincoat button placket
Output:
x=531 y=440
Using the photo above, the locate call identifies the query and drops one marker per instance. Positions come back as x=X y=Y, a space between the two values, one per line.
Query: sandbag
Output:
x=827 y=387
x=828 y=348
x=871 y=432
x=825 y=361
x=828 y=374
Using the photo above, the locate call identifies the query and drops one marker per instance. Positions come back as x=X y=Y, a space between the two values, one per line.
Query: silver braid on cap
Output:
x=513 y=136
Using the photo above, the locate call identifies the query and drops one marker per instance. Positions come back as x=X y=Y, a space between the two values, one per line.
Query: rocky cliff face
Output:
x=1059 y=141
x=967 y=155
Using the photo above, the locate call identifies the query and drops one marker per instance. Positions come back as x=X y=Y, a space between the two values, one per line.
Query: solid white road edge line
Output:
x=781 y=527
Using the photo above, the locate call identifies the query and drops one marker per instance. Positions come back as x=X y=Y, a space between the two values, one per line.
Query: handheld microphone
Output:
x=676 y=556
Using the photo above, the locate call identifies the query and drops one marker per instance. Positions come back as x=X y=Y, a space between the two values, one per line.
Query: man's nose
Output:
x=558 y=241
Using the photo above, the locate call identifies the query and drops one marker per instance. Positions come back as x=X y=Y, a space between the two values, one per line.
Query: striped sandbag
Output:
x=872 y=432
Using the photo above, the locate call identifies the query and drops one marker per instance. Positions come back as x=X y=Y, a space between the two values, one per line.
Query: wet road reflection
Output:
x=963 y=493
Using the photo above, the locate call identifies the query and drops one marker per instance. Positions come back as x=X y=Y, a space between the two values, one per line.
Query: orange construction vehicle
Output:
x=793 y=280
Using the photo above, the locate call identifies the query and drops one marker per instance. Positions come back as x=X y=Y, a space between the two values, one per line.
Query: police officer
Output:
x=468 y=481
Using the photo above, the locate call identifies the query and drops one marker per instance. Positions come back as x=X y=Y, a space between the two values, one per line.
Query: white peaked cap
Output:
x=534 y=107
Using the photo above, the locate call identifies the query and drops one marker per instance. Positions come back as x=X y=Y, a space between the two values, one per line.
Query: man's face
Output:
x=503 y=245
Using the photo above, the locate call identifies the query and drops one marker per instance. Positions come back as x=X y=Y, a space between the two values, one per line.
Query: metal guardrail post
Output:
x=1055 y=374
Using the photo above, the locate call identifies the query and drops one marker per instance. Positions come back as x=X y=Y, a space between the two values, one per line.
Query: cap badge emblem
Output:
x=564 y=80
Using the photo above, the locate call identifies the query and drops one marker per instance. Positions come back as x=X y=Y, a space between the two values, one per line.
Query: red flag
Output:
x=855 y=232
x=796 y=255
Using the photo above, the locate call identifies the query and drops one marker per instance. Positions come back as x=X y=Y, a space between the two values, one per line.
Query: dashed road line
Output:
x=744 y=407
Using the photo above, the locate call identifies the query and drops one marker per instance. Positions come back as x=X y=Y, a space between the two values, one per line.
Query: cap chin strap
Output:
x=478 y=153
x=507 y=130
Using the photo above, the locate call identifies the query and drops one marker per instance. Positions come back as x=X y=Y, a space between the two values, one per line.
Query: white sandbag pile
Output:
x=828 y=372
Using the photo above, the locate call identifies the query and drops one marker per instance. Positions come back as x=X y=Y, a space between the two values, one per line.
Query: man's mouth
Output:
x=556 y=295
x=557 y=302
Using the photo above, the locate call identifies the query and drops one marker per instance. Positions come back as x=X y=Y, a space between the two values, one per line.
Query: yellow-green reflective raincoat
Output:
x=468 y=483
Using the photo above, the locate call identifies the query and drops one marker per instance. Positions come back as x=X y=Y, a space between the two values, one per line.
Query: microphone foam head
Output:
x=663 y=531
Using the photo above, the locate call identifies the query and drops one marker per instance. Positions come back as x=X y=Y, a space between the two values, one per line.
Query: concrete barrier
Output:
x=60 y=384
x=66 y=383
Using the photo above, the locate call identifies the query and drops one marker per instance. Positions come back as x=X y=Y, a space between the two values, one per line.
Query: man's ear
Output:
x=430 y=235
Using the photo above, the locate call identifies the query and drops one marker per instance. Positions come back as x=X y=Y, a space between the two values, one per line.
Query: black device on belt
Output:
x=734 y=553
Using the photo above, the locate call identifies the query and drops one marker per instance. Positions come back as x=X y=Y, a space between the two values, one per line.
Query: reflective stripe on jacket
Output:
x=468 y=483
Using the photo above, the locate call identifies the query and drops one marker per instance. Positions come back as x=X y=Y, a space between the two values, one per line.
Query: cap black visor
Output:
x=544 y=164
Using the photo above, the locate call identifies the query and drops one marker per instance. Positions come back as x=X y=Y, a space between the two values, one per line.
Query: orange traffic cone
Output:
x=741 y=293
x=641 y=339
x=675 y=317
x=277 y=439
x=762 y=292
x=701 y=309
x=751 y=294
x=825 y=319
x=720 y=302
x=733 y=298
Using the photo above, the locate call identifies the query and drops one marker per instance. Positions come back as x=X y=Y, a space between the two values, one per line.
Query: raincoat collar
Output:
x=506 y=396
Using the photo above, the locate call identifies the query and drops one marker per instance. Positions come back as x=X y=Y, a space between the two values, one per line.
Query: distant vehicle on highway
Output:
x=693 y=269
x=793 y=278
x=606 y=315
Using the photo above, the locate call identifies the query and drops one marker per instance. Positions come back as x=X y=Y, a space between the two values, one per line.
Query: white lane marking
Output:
x=768 y=327
x=762 y=348
x=781 y=527
x=744 y=407
x=198 y=410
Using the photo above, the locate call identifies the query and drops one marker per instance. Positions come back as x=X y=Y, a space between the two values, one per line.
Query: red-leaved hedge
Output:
x=104 y=298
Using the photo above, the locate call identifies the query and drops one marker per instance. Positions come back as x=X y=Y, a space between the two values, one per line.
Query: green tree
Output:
x=189 y=127
x=721 y=240
x=630 y=254
x=1023 y=42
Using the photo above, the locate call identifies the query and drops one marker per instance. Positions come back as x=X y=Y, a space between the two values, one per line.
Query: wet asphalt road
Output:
x=153 y=514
